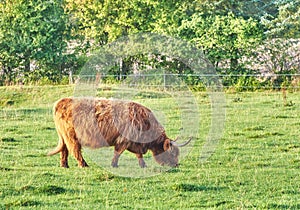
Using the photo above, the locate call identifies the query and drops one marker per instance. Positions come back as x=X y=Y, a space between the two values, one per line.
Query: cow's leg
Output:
x=64 y=157
x=117 y=153
x=77 y=154
x=141 y=160
x=75 y=149
x=64 y=153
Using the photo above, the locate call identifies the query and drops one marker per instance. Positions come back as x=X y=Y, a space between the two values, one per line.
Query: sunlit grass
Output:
x=256 y=163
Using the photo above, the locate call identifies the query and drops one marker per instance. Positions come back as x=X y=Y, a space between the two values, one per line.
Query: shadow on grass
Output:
x=50 y=190
x=195 y=188
x=22 y=203
x=8 y=139
x=173 y=170
x=151 y=94
x=283 y=206
x=5 y=169
x=265 y=135
x=47 y=190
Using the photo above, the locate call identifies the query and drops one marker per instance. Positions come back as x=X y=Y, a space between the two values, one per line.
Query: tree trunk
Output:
x=234 y=63
x=27 y=64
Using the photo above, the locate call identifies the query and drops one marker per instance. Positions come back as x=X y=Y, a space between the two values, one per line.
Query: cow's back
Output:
x=103 y=122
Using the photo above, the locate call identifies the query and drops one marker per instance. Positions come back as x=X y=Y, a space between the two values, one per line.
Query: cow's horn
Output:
x=183 y=144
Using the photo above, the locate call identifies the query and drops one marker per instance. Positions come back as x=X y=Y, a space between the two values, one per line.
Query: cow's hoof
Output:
x=64 y=165
x=143 y=165
x=114 y=165
x=83 y=164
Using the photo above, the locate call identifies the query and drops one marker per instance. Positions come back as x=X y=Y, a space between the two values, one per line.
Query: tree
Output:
x=101 y=22
x=246 y=9
x=223 y=38
x=33 y=32
x=278 y=59
x=286 y=24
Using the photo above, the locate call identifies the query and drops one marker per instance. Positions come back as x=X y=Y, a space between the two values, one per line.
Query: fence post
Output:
x=164 y=75
x=70 y=77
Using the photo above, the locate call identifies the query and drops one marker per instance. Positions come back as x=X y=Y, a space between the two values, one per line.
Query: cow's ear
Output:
x=167 y=144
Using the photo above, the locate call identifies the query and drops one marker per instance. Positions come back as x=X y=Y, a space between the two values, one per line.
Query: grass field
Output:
x=255 y=165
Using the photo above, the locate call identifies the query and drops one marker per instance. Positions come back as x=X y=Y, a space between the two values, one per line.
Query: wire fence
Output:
x=197 y=82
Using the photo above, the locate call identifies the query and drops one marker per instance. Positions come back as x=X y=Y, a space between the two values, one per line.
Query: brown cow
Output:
x=96 y=123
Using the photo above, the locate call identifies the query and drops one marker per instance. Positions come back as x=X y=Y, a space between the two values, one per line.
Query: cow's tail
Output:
x=57 y=149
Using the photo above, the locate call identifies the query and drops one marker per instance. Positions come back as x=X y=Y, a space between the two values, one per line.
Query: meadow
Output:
x=255 y=164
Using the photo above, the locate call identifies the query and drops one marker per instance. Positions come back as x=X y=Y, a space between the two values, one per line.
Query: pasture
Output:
x=256 y=163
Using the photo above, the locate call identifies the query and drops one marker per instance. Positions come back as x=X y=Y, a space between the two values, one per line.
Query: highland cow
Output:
x=126 y=125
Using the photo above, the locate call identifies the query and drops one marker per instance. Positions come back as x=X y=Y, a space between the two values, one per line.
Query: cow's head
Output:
x=170 y=153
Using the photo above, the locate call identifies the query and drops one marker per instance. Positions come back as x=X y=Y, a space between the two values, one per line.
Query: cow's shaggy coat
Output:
x=96 y=123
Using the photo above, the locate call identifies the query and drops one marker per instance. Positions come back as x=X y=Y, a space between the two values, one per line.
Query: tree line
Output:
x=44 y=41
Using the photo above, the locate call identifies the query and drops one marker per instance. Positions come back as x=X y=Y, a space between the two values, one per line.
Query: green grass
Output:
x=256 y=163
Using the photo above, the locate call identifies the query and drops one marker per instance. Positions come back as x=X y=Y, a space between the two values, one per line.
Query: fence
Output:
x=240 y=82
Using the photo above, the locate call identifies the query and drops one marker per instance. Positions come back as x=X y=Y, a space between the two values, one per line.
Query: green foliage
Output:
x=242 y=80
x=103 y=22
x=225 y=38
x=286 y=24
x=44 y=41
x=246 y=9
x=34 y=35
